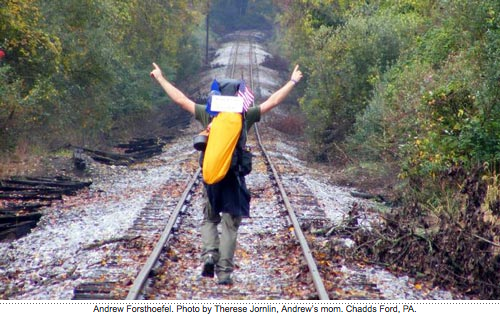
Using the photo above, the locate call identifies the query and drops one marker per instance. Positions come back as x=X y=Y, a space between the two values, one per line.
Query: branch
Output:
x=108 y=241
x=486 y=240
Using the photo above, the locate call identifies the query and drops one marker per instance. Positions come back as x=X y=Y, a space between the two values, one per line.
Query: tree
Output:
x=32 y=55
x=230 y=15
x=78 y=66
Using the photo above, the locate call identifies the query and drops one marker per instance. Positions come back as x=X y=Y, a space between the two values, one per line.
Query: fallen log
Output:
x=56 y=182
x=109 y=157
x=25 y=188
x=25 y=207
x=153 y=148
x=17 y=231
x=134 y=151
x=30 y=196
x=38 y=190
x=138 y=156
x=13 y=219
x=23 y=196
x=141 y=144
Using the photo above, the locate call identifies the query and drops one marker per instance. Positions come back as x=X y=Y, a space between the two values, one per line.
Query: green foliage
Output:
x=451 y=120
x=300 y=20
x=343 y=67
x=230 y=15
x=85 y=64
x=411 y=83
x=435 y=111
x=32 y=51
x=412 y=86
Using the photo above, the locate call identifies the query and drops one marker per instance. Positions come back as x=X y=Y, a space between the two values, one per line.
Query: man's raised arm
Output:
x=277 y=97
x=175 y=94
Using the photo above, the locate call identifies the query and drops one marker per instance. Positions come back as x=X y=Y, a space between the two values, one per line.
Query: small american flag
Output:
x=246 y=94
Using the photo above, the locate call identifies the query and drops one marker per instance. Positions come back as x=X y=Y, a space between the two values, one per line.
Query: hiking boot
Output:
x=224 y=278
x=226 y=281
x=208 y=267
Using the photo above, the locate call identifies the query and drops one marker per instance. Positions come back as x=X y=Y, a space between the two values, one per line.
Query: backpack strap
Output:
x=241 y=163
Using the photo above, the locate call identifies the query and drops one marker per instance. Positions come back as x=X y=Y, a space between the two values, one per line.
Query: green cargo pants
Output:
x=223 y=246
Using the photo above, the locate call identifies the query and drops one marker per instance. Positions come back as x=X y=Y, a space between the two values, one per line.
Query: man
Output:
x=218 y=253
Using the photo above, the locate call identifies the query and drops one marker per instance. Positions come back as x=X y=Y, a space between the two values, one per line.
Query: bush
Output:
x=348 y=61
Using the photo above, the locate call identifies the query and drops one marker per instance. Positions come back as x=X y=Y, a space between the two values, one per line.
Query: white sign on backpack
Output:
x=227 y=104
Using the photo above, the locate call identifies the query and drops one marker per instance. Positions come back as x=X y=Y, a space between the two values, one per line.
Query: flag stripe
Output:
x=247 y=96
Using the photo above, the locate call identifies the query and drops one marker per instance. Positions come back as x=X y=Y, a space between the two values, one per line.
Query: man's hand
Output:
x=175 y=94
x=277 y=97
x=156 y=73
x=296 y=74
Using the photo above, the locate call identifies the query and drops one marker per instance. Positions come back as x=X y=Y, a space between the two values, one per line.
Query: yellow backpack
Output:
x=228 y=100
x=225 y=131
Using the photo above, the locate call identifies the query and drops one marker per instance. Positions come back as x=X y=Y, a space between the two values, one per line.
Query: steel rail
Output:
x=153 y=258
x=250 y=62
x=234 y=53
x=143 y=275
x=311 y=263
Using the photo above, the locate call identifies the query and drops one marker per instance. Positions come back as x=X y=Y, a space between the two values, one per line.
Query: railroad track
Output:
x=273 y=259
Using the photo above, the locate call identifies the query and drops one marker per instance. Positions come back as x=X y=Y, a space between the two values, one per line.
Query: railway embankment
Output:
x=86 y=237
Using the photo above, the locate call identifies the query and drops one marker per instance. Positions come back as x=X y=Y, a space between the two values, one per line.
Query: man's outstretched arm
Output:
x=175 y=94
x=277 y=97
